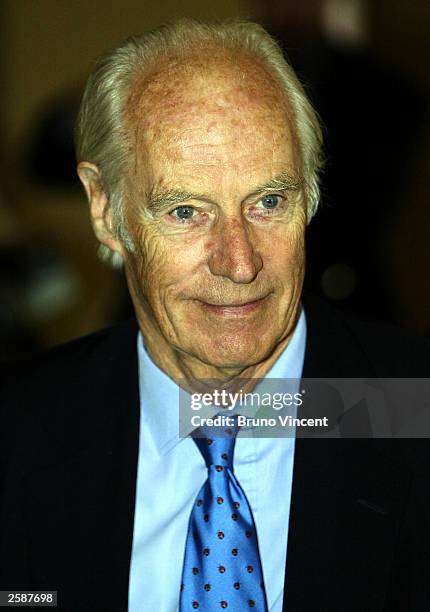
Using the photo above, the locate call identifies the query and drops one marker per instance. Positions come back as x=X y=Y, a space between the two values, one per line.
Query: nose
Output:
x=233 y=254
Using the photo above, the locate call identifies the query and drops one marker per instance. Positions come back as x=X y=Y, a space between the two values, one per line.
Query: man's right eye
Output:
x=183 y=213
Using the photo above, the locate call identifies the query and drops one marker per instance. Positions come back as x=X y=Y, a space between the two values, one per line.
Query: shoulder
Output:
x=339 y=345
x=64 y=362
x=394 y=350
x=69 y=385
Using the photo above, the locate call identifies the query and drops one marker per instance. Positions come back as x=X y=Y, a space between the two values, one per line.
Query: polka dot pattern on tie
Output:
x=222 y=568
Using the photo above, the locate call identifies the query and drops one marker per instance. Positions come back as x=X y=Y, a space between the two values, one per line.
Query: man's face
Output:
x=216 y=213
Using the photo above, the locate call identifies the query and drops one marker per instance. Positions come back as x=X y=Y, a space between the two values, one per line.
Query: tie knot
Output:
x=217 y=445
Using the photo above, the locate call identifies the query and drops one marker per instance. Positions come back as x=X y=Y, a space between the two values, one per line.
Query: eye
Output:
x=183 y=213
x=271 y=201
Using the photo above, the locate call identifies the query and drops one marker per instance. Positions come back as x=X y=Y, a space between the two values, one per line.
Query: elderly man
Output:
x=199 y=154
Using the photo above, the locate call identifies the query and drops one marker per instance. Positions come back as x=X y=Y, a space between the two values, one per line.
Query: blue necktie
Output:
x=222 y=568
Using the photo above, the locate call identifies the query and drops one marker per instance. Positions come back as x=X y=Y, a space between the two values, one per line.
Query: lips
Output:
x=235 y=308
x=235 y=304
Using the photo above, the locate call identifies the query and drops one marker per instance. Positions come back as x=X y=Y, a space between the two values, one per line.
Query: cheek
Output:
x=150 y=258
x=283 y=250
x=167 y=265
x=295 y=248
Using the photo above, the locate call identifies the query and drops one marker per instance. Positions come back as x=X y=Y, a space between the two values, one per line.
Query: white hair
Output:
x=103 y=137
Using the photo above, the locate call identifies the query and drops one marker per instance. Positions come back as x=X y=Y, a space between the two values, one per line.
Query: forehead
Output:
x=213 y=111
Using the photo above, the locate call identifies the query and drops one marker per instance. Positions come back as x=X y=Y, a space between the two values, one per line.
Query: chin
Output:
x=234 y=352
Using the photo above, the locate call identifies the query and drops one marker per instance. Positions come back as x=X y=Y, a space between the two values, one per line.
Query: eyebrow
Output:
x=163 y=198
x=282 y=182
x=159 y=199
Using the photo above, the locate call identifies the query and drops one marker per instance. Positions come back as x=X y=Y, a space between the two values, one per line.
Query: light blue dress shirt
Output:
x=171 y=471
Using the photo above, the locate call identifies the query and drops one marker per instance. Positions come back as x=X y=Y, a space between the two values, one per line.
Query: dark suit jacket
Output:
x=359 y=534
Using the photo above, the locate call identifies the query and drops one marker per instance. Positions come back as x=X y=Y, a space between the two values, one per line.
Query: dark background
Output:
x=364 y=65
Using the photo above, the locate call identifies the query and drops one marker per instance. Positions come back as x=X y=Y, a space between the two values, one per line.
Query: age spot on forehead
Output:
x=212 y=101
x=209 y=80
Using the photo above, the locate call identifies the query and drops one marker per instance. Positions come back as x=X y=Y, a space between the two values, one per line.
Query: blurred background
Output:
x=365 y=66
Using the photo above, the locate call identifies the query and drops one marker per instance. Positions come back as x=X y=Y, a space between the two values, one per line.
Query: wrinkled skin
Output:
x=218 y=130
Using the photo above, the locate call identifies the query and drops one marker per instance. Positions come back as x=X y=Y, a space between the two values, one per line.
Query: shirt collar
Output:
x=159 y=394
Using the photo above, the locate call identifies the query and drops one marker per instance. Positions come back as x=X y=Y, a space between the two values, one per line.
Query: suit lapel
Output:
x=84 y=505
x=346 y=494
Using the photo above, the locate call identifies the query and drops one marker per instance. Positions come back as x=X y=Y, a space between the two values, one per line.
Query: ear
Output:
x=101 y=212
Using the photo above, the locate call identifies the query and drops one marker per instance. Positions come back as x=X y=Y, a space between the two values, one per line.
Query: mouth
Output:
x=234 y=309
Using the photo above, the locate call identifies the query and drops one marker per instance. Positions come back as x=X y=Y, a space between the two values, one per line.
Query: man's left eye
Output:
x=270 y=201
